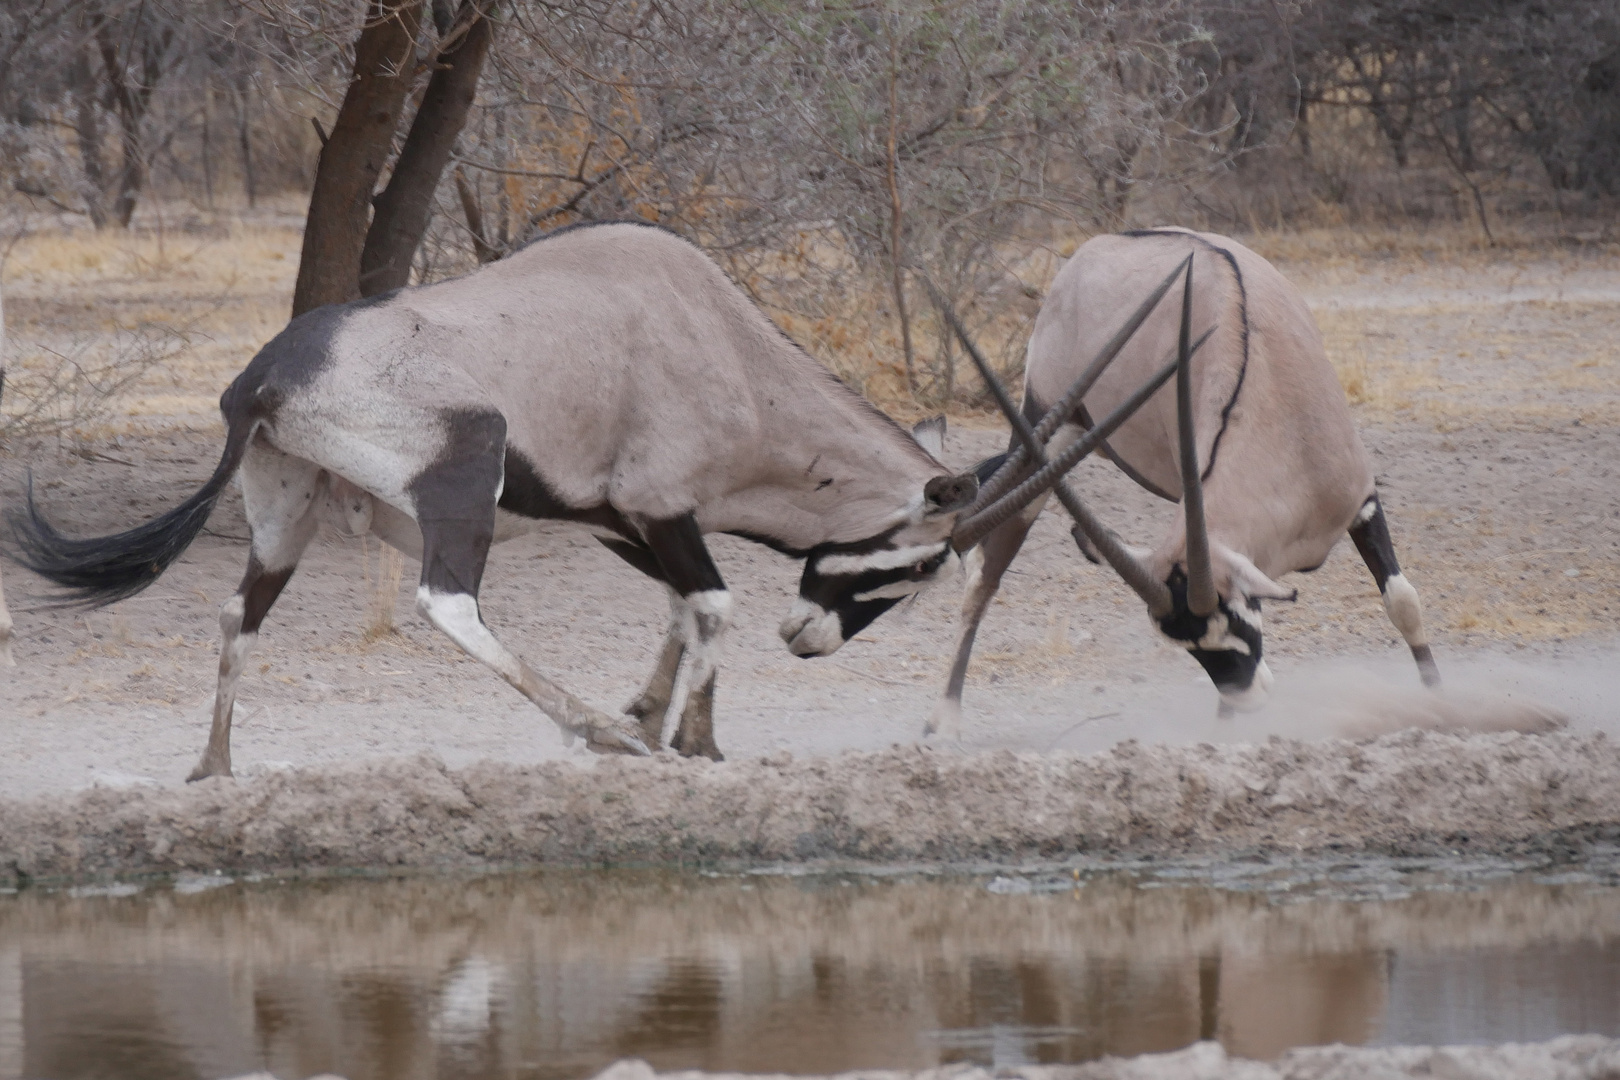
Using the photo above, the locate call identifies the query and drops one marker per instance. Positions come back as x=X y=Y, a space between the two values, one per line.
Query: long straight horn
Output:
x=1107 y=542
x=1064 y=407
x=1201 y=595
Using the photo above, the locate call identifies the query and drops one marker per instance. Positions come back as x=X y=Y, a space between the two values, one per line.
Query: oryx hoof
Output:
x=695 y=745
x=615 y=737
x=211 y=766
x=945 y=720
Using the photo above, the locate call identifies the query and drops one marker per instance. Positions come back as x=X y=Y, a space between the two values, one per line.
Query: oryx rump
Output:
x=1255 y=442
x=611 y=376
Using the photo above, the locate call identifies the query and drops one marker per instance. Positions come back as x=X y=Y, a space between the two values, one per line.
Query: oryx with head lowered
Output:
x=1255 y=441
x=607 y=375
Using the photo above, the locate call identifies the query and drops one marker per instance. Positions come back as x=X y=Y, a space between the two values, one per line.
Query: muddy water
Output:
x=553 y=975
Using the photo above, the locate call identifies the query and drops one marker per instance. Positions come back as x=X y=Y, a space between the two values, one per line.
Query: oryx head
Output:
x=1207 y=599
x=845 y=586
x=1226 y=640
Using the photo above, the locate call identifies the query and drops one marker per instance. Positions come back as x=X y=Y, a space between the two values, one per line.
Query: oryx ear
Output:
x=930 y=435
x=1248 y=580
x=944 y=494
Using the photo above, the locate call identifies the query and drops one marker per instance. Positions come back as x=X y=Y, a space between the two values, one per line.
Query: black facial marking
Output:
x=1228 y=669
x=837 y=592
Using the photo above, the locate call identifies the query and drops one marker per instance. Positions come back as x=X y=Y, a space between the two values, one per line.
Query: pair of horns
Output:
x=995 y=503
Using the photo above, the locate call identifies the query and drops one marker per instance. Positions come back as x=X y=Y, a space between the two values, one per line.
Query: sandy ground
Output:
x=1575 y=1057
x=1492 y=420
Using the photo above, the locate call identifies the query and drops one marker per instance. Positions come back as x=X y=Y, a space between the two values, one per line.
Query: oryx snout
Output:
x=1227 y=643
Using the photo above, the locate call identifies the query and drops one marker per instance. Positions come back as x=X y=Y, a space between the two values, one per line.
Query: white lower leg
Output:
x=456 y=614
x=704 y=617
x=1405 y=609
x=235 y=647
x=5 y=631
x=1406 y=612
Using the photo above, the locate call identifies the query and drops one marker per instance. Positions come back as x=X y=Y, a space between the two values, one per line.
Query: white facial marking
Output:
x=887 y=559
x=811 y=630
x=1257 y=693
x=1246 y=613
x=897 y=590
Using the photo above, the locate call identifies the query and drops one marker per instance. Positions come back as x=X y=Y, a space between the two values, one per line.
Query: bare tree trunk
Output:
x=133 y=101
x=244 y=139
x=87 y=127
x=896 y=258
x=474 y=212
x=403 y=208
x=354 y=156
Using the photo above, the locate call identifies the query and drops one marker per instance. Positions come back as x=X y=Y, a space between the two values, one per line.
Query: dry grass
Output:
x=77 y=293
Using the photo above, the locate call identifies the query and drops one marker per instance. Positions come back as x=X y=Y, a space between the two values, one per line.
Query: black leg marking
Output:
x=1370 y=533
x=678 y=546
x=455 y=502
x=455 y=506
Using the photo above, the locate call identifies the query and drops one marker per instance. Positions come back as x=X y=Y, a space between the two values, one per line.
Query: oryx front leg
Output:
x=700 y=613
x=986 y=564
x=1370 y=532
x=5 y=631
x=652 y=704
x=278 y=499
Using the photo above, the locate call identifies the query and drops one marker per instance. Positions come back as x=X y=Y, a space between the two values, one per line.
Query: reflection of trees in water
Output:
x=552 y=975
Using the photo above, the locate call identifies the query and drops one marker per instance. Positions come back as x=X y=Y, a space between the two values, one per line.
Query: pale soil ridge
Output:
x=1571 y=1057
x=1413 y=791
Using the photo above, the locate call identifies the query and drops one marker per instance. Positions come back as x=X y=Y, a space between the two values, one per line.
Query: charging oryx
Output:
x=609 y=375
x=1256 y=443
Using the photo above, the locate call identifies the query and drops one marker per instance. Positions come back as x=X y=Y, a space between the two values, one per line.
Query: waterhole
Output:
x=556 y=974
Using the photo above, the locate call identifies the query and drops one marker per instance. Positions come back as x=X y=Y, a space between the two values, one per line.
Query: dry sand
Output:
x=1574 y=1057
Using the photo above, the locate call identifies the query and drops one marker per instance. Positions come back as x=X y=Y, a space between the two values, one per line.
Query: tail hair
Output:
x=96 y=571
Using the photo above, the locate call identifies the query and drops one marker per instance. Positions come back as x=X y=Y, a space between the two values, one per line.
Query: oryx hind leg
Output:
x=279 y=498
x=455 y=510
x=986 y=565
x=5 y=631
x=1370 y=532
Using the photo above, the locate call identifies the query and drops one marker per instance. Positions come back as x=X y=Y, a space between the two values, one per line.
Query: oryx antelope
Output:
x=1255 y=441
x=607 y=375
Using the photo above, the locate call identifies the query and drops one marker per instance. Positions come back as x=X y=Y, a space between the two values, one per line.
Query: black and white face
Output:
x=1227 y=642
x=846 y=586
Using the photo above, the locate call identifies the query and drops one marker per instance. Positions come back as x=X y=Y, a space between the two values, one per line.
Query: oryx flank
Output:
x=608 y=375
x=1276 y=473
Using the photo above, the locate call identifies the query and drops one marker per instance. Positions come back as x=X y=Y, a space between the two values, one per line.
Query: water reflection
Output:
x=553 y=975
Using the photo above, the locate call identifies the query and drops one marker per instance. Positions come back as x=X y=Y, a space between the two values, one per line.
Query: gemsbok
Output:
x=1255 y=442
x=608 y=375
